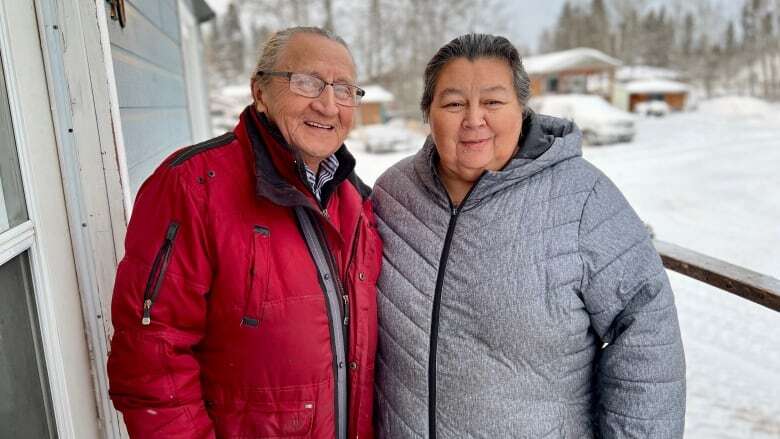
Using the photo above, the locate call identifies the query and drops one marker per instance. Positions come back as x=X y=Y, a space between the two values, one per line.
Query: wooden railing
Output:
x=756 y=287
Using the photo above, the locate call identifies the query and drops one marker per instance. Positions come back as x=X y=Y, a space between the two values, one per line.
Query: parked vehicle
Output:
x=392 y=136
x=655 y=107
x=600 y=122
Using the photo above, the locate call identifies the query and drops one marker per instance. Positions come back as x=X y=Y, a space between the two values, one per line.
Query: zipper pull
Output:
x=147 y=317
x=171 y=233
x=346 y=309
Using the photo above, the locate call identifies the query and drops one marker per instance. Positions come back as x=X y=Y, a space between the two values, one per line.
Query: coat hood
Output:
x=545 y=142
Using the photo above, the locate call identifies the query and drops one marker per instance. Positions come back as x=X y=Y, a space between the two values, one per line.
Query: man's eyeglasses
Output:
x=311 y=87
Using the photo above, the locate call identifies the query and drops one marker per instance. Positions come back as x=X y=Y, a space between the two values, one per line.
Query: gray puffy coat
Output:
x=538 y=308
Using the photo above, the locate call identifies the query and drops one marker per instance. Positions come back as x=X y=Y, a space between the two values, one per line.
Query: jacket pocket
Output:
x=257 y=420
x=279 y=419
x=257 y=287
x=157 y=273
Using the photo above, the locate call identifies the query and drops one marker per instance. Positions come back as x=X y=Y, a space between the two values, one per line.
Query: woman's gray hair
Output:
x=471 y=47
x=274 y=47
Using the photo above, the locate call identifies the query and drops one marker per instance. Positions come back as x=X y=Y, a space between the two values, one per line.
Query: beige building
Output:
x=373 y=107
x=580 y=70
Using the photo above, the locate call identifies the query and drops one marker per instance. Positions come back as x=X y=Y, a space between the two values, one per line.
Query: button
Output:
x=341 y=365
x=353 y=365
x=362 y=276
x=326 y=276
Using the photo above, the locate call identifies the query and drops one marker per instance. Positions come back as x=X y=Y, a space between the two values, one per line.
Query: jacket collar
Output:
x=545 y=141
x=279 y=169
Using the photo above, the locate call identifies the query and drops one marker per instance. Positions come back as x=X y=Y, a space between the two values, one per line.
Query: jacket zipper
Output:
x=352 y=254
x=157 y=274
x=320 y=236
x=454 y=213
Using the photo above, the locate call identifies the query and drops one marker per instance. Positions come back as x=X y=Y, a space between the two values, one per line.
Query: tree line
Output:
x=393 y=39
x=721 y=53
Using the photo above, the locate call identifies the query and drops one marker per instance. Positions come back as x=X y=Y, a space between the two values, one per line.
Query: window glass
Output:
x=12 y=206
x=25 y=405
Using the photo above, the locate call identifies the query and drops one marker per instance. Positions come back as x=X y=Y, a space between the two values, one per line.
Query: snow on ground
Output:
x=738 y=107
x=709 y=181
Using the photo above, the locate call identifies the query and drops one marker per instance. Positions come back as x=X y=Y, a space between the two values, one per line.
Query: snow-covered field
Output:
x=708 y=180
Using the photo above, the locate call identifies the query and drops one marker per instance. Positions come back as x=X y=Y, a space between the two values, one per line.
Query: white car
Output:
x=652 y=108
x=599 y=121
x=389 y=137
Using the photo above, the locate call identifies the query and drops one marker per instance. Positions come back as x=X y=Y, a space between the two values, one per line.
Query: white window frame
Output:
x=23 y=238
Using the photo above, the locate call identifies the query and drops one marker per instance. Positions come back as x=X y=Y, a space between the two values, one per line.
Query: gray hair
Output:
x=274 y=47
x=474 y=46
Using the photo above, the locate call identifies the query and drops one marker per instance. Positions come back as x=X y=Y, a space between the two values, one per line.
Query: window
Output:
x=25 y=405
x=12 y=206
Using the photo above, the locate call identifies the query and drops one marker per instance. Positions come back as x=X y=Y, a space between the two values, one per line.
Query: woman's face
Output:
x=475 y=117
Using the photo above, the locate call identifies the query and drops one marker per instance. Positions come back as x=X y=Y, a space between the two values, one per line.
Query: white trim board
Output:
x=22 y=238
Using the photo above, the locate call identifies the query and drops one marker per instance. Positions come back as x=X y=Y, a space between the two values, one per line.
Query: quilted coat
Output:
x=537 y=308
x=222 y=328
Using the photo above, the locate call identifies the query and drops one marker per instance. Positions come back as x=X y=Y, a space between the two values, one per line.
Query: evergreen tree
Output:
x=599 y=28
x=688 y=35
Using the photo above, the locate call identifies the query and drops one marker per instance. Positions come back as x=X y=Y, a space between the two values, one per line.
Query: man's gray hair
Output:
x=474 y=46
x=274 y=47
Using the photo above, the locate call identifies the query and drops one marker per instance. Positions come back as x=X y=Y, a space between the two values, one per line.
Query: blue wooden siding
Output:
x=150 y=82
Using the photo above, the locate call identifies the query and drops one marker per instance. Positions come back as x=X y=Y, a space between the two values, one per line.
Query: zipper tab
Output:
x=346 y=309
x=171 y=233
x=147 y=317
x=157 y=273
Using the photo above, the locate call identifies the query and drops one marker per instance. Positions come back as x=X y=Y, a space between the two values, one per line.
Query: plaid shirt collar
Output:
x=326 y=172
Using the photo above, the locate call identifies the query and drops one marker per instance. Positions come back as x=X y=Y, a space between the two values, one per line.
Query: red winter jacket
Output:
x=221 y=324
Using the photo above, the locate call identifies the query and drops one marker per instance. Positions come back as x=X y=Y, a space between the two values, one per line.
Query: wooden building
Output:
x=373 y=107
x=627 y=95
x=640 y=83
x=580 y=70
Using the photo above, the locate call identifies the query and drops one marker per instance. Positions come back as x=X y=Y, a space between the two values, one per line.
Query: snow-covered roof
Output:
x=377 y=93
x=655 y=86
x=632 y=73
x=581 y=57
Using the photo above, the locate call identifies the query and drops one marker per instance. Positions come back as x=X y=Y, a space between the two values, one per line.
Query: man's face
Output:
x=314 y=126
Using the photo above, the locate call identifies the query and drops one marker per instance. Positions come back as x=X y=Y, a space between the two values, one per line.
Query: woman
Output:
x=520 y=294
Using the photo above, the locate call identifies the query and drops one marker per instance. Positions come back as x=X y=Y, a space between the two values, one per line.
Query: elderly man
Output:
x=245 y=304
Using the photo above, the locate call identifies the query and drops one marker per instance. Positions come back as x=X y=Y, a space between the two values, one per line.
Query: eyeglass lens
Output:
x=311 y=86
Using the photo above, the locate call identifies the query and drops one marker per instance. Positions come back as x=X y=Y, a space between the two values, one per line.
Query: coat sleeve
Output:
x=154 y=375
x=640 y=369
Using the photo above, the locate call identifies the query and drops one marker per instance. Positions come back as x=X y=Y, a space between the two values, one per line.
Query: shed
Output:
x=373 y=107
x=580 y=70
x=628 y=95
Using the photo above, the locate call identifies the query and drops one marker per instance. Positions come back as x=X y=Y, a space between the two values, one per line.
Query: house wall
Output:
x=595 y=81
x=370 y=113
x=151 y=86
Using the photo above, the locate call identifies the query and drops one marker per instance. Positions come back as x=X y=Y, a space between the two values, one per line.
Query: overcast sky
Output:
x=527 y=19
x=526 y=23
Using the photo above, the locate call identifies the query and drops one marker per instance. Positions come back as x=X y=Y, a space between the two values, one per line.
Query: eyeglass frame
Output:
x=359 y=92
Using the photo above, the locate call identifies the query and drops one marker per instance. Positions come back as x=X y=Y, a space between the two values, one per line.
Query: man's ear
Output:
x=257 y=95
